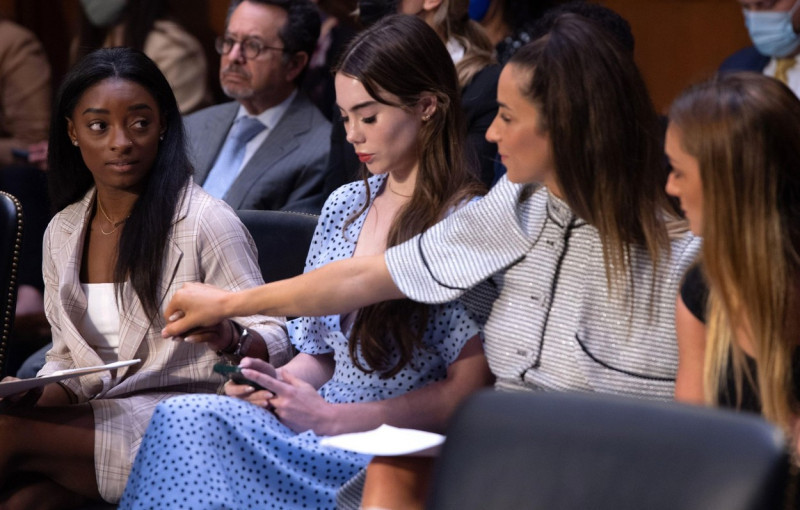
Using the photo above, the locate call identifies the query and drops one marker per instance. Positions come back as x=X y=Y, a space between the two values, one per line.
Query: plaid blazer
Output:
x=208 y=244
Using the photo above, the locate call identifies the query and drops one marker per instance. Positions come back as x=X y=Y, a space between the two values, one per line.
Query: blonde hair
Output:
x=451 y=20
x=744 y=130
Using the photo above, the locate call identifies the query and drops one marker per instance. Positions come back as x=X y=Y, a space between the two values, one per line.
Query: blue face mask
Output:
x=478 y=9
x=772 y=32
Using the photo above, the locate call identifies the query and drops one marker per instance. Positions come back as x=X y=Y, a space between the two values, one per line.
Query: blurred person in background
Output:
x=773 y=26
x=151 y=27
x=25 y=92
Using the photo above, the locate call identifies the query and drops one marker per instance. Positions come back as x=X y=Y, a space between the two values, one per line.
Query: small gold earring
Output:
x=426 y=118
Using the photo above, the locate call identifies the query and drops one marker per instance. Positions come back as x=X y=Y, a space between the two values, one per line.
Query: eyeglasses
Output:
x=249 y=47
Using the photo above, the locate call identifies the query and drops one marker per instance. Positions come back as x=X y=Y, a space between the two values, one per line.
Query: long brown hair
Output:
x=744 y=130
x=145 y=238
x=605 y=136
x=402 y=56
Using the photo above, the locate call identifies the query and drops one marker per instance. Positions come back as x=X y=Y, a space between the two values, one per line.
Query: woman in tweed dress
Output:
x=132 y=229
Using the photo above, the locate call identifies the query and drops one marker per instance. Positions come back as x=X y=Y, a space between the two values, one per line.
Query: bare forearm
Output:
x=54 y=395
x=316 y=370
x=337 y=288
x=428 y=408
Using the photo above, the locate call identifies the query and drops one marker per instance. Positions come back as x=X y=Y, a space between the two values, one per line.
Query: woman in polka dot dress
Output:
x=399 y=363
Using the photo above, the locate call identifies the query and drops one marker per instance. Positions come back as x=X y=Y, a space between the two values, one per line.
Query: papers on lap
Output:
x=13 y=387
x=388 y=441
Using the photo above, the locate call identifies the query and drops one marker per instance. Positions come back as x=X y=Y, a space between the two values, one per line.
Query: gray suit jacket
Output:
x=286 y=173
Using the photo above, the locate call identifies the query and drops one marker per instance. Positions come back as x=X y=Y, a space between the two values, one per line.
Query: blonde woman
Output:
x=734 y=146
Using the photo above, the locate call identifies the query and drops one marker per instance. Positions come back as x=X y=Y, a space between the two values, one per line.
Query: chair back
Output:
x=10 y=245
x=577 y=451
x=282 y=239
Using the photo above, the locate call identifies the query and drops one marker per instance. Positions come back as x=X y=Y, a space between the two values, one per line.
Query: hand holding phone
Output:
x=234 y=373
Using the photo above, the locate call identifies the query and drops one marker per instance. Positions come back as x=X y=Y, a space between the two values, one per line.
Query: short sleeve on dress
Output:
x=694 y=292
x=333 y=239
x=462 y=250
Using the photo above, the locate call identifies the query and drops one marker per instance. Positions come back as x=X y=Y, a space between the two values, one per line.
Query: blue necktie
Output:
x=228 y=164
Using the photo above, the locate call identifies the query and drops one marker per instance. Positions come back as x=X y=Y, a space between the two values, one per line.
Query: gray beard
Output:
x=246 y=94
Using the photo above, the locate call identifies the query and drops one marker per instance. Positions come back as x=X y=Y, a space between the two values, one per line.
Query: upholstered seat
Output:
x=578 y=451
x=282 y=239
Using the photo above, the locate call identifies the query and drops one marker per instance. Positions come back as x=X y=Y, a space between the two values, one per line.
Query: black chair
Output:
x=282 y=239
x=577 y=451
x=10 y=245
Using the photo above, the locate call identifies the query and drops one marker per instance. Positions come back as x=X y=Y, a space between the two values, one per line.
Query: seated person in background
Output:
x=338 y=26
x=508 y=22
x=734 y=145
x=574 y=241
x=773 y=26
x=472 y=53
x=148 y=26
x=609 y=19
x=132 y=229
x=267 y=149
x=25 y=93
x=400 y=363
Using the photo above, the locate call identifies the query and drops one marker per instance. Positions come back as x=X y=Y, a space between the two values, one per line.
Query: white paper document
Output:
x=388 y=441
x=13 y=387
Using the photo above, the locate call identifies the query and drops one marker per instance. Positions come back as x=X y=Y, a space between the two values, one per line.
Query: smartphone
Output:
x=234 y=373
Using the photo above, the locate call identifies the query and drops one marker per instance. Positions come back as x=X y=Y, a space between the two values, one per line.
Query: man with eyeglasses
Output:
x=773 y=26
x=268 y=148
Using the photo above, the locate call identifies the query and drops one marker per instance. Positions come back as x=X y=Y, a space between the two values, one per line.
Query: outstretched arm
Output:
x=336 y=288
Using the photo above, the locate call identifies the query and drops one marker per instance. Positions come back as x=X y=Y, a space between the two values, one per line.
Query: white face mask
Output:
x=772 y=32
x=103 y=13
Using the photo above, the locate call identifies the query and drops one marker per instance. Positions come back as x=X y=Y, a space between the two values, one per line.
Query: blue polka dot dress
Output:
x=216 y=452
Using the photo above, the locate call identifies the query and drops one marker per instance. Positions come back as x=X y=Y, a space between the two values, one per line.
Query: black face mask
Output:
x=370 y=11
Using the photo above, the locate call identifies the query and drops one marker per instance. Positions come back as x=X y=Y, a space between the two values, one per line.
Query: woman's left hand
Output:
x=296 y=403
x=27 y=398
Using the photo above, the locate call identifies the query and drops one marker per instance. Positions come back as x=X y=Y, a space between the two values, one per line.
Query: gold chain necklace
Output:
x=113 y=224
x=396 y=193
